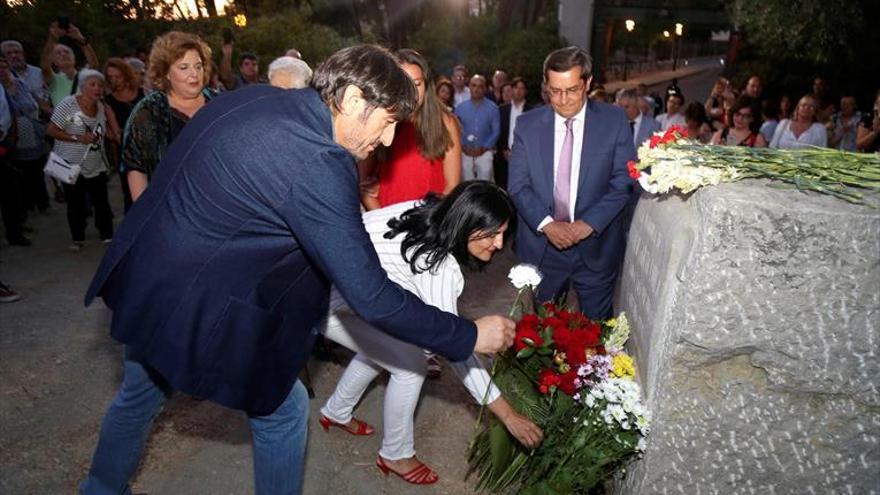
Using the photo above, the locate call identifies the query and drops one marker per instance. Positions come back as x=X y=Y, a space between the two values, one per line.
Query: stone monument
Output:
x=756 y=328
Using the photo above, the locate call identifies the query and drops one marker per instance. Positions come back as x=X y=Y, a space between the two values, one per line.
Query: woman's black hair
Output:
x=439 y=226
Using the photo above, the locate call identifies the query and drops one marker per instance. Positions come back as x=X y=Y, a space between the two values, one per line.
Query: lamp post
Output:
x=679 y=31
x=630 y=25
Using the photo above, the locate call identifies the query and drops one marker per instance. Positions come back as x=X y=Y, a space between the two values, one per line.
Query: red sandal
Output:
x=360 y=428
x=419 y=475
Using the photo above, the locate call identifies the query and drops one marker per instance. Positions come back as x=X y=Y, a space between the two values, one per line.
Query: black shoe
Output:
x=19 y=241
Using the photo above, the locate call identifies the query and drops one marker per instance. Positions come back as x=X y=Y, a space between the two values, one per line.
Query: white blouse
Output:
x=783 y=138
x=440 y=288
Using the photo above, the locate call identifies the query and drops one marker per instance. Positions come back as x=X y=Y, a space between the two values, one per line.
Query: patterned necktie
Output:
x=562 y=187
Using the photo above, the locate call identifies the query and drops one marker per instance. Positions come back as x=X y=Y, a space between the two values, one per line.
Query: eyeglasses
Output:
x=570 y=92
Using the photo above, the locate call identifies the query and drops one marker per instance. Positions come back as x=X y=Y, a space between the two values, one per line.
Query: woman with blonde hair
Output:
x=802 y=130
x=179 y=72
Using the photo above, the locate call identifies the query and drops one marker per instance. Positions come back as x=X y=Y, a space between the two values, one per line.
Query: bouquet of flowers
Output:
x=571 y=376
x=669 y=160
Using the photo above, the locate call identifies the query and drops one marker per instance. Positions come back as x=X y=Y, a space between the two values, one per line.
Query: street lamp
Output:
x=679 y=31
x=630 y=25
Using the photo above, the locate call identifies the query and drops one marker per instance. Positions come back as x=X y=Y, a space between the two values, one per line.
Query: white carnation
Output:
x=524 y=275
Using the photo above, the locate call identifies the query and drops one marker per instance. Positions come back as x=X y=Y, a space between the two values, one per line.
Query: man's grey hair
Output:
x=299 y=71
x=625 y=94
x=10 y=44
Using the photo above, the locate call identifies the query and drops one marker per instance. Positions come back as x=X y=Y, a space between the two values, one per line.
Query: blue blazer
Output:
x=604 y=186
x=221 y=270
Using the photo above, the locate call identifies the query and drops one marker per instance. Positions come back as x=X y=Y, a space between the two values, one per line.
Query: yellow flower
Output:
x=559 y=358
x=612 y=322
x=622 y=366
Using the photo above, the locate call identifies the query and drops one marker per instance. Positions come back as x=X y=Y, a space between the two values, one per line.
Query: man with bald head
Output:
x=58 y=61
x=480 y=126
x=754 y=88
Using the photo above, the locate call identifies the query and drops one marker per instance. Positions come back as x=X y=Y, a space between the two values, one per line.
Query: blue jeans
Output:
x=279 y=438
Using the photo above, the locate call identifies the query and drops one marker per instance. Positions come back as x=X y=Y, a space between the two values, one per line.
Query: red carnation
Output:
x=562 y=335
x=633 y=171
x=527 y=333
x=554 y=324
x=592 y=331
x=547 y=379
x=654 y=141
x=549 y=308
x=528 y=322
x=566 y=382
x=579 y=320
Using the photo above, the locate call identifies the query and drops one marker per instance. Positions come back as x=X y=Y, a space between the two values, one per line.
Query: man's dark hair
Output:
x=565 y=59
x=247 y=56
x=516 y=80
x=372 y=69
x=438 y=227
x=696 y=112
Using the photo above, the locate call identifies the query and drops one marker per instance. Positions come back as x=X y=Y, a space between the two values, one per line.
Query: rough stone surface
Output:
x=755 y=316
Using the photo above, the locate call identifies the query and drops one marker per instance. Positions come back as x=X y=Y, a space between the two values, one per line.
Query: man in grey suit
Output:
x=643 y=126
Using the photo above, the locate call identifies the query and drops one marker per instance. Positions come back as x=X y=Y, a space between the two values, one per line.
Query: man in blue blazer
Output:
x=223 y=267
x=569 y=181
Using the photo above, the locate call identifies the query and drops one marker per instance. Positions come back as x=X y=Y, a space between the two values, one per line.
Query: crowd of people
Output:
x=225 y=190
x=748 y=117
x=118 y=117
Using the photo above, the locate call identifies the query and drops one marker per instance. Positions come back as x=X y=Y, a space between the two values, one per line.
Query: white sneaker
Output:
x=76 y=246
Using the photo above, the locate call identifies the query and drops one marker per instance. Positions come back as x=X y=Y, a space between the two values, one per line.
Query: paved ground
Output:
x=59 y=369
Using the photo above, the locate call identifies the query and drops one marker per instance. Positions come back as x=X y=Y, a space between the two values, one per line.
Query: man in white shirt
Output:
x=509 y=113
x=460 y=83
x=570 y=203
x=672 y=117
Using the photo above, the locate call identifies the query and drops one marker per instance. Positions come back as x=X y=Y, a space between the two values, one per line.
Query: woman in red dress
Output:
x=426 y=153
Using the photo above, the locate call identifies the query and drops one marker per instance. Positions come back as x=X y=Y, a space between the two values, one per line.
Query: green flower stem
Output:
x=493 y=371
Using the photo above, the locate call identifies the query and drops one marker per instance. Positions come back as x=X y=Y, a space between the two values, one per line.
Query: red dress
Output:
x=407 y=175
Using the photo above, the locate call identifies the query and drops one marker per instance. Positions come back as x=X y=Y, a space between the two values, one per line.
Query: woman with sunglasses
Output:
x=424 y=246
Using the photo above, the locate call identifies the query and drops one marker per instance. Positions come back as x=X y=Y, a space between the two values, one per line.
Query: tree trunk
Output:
x=211 y=7
x=138 y=10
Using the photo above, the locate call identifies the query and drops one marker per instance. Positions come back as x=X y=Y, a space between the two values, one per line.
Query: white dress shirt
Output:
x=667 y=121
x=577 y=129
x=636 y=128
x=515 y=111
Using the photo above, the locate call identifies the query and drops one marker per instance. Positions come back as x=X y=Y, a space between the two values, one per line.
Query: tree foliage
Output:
x=788 y=42
x=512 y=34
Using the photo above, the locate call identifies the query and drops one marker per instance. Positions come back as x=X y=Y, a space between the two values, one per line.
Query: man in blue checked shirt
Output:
x=480 y=125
